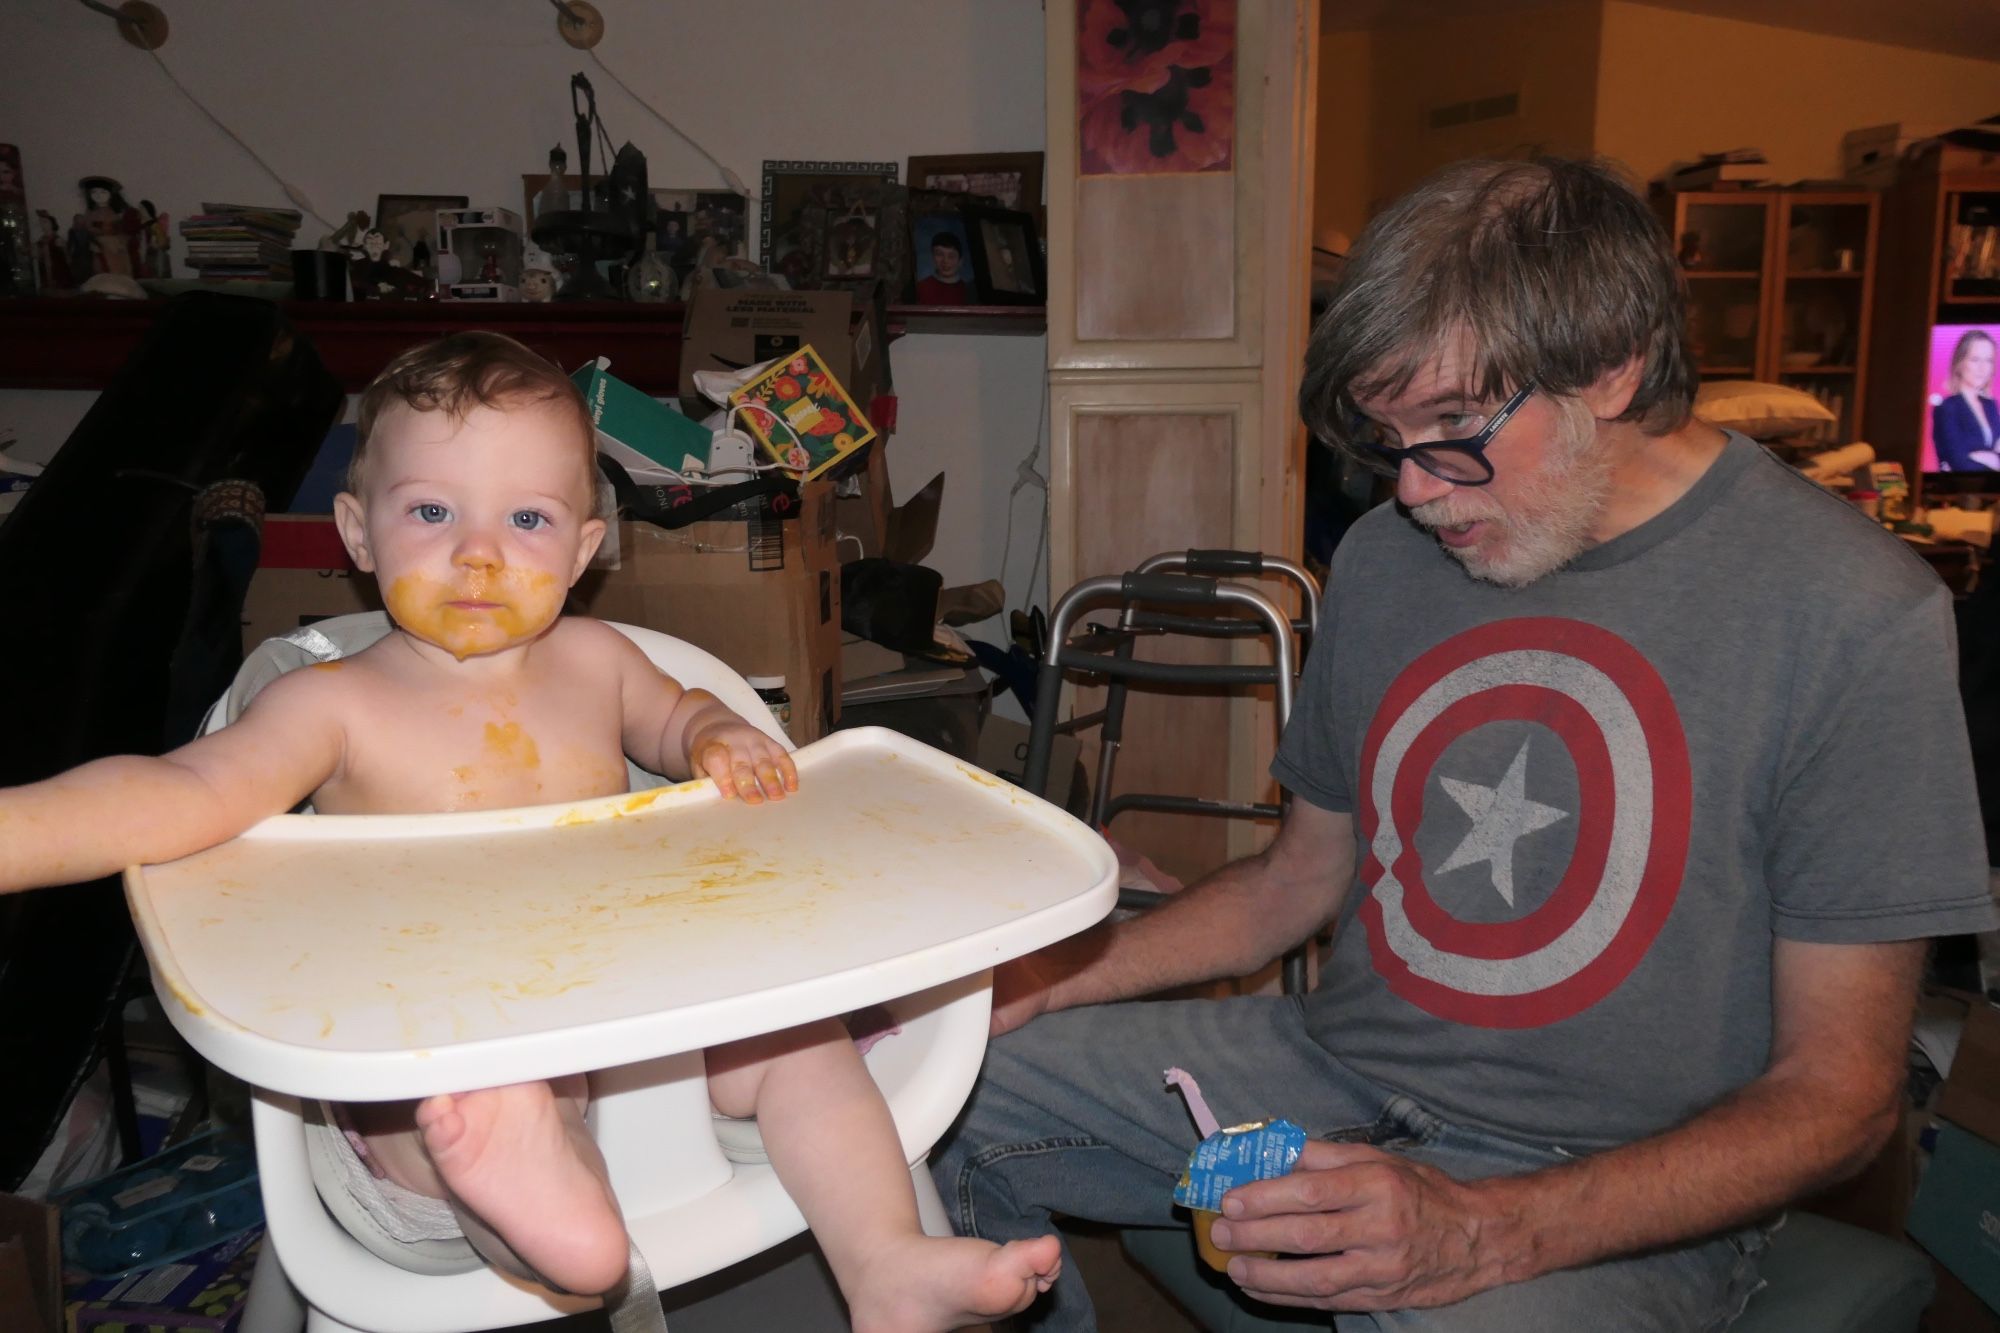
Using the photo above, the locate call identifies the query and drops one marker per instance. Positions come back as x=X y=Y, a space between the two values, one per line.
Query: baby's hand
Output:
x=744 y=762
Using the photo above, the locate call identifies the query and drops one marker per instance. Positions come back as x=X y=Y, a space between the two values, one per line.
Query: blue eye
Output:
x=431 y=513
x=529 y=520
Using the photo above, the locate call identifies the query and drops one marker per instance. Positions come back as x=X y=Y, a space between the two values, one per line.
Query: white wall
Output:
x=365 y=97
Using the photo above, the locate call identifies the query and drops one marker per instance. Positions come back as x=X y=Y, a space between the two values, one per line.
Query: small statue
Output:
x=114 y=227
x=82 y=251
x=51 y=260
x=489 y=268
x=538 y=275
x=347 y=239
x=159 y=254
x=554 y=195
x=375 y=276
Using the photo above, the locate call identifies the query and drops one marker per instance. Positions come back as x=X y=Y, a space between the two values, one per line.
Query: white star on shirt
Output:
x=1501 y=817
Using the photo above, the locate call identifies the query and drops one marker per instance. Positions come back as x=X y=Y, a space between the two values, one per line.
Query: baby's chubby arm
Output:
x=684 y=733
x=103 y=816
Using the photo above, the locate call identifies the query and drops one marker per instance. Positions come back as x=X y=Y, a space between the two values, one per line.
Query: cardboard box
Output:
x=1869 y=155
x=303 y=575
x=203 y=1293
x=762 y=596
x=1971 y=1096
x=30 y=1265
x=731 y=328
x=1956 y=1215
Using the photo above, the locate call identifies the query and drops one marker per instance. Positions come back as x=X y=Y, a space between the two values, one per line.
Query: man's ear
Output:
x=352 y=525
x=1612 y=393
x=589 y=538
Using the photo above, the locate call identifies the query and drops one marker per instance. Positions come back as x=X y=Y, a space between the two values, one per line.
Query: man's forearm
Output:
x=1206 y=931
x=1774 y=1141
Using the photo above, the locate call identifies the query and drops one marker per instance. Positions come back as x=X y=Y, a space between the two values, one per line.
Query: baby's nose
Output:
x=478 y=551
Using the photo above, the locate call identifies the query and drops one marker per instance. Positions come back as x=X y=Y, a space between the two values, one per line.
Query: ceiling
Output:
x=1953 y=27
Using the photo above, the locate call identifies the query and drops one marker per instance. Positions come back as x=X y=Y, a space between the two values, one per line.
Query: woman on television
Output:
x=1965 y=422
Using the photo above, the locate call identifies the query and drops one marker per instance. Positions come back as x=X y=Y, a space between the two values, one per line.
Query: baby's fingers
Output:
x=716 y=762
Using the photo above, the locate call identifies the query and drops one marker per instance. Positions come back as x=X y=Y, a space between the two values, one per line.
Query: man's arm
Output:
x=103 y=816
x=1398 y=1234
x=1225 y=925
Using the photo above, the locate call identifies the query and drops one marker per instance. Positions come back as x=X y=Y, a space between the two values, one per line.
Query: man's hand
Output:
x=1388 y=1233
x=1021 y=991
x=744 y=762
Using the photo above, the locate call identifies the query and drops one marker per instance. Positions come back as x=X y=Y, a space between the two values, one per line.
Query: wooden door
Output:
x=1180 y=192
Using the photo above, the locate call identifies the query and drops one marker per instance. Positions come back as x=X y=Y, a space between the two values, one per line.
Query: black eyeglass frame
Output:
x=1388 y=459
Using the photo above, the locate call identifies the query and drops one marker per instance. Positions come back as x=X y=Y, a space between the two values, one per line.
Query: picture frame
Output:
x=790 y=242
x=408 y=219
x=1006 y=257
x=935 y=214
x=1013 y=180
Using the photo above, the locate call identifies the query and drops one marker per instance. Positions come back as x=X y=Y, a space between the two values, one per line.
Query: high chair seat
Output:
x=379 y=957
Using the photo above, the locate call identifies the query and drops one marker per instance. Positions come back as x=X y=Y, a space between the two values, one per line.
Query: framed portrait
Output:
x=792 y=243
x=1006 y=260
x=940 y=252
x=1014 y=180
x=409 y=222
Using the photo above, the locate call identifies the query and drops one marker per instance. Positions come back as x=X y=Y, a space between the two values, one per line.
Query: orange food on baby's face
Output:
x=481 y=612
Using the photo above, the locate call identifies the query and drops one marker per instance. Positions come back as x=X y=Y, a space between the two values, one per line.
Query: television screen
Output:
x=1961 y=419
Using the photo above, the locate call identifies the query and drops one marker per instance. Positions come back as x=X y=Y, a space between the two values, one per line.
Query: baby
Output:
x=470 y=499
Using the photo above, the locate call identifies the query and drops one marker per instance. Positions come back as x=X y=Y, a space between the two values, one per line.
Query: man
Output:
x=1630 y=773
x=945 y=286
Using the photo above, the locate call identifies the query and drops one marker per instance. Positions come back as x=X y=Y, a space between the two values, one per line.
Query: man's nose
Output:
x=1414 y=486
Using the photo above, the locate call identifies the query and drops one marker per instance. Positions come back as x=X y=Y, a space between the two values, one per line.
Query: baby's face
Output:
x=475 y=529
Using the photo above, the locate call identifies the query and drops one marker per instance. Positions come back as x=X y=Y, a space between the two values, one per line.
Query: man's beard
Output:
x=1552 y=515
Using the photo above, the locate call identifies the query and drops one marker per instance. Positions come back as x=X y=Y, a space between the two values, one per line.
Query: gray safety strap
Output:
x=634 y=1307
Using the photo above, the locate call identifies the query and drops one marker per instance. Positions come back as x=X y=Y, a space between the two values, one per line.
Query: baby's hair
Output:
x=466 y=370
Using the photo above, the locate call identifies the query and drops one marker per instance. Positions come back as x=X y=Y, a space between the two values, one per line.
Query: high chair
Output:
x=383 y=957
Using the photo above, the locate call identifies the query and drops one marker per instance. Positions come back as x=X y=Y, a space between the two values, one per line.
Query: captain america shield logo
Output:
x=1606 y=705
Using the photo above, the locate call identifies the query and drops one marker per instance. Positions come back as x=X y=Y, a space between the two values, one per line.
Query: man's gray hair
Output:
x=1551 y=270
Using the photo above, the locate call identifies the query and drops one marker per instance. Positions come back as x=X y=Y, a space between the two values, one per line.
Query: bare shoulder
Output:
x=320 y=691
x=586 y=641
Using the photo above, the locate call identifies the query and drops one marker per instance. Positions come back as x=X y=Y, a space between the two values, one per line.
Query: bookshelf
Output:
x=1781 y=286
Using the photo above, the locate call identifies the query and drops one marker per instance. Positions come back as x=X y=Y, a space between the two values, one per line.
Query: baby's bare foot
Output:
x=927 y=1284
x=521 y=1160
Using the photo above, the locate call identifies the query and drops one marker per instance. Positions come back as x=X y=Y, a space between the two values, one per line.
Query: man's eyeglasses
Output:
x=1462 y=462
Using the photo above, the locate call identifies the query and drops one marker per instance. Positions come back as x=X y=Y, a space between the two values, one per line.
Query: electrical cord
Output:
x=292 y=192
x=734 y=181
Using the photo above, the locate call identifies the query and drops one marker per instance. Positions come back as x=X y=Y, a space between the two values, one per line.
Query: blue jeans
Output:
x=1071 y=1119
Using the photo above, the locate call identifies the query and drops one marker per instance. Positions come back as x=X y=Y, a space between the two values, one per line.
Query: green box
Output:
x=1957 y=1213
x=637 y=430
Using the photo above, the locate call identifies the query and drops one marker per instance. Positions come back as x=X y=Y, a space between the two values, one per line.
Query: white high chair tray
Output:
x=373 y=957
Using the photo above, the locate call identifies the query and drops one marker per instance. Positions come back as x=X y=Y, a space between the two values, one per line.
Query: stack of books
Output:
x=1736 y=168
x=240 y=241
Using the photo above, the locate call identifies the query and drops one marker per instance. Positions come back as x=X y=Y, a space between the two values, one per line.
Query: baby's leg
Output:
x=521 y=1171
x=834 y=1146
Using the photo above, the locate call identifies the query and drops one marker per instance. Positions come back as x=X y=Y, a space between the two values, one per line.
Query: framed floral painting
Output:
x=1156 y=86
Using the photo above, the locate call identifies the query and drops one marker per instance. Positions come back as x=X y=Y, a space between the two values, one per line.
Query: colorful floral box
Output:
x=801 y=415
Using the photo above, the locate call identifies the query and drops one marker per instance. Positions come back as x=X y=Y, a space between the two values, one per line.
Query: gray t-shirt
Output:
x=1586 y=806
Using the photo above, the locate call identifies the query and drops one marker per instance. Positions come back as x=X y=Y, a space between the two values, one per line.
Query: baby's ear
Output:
x=352 y=524
x=589 y=538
